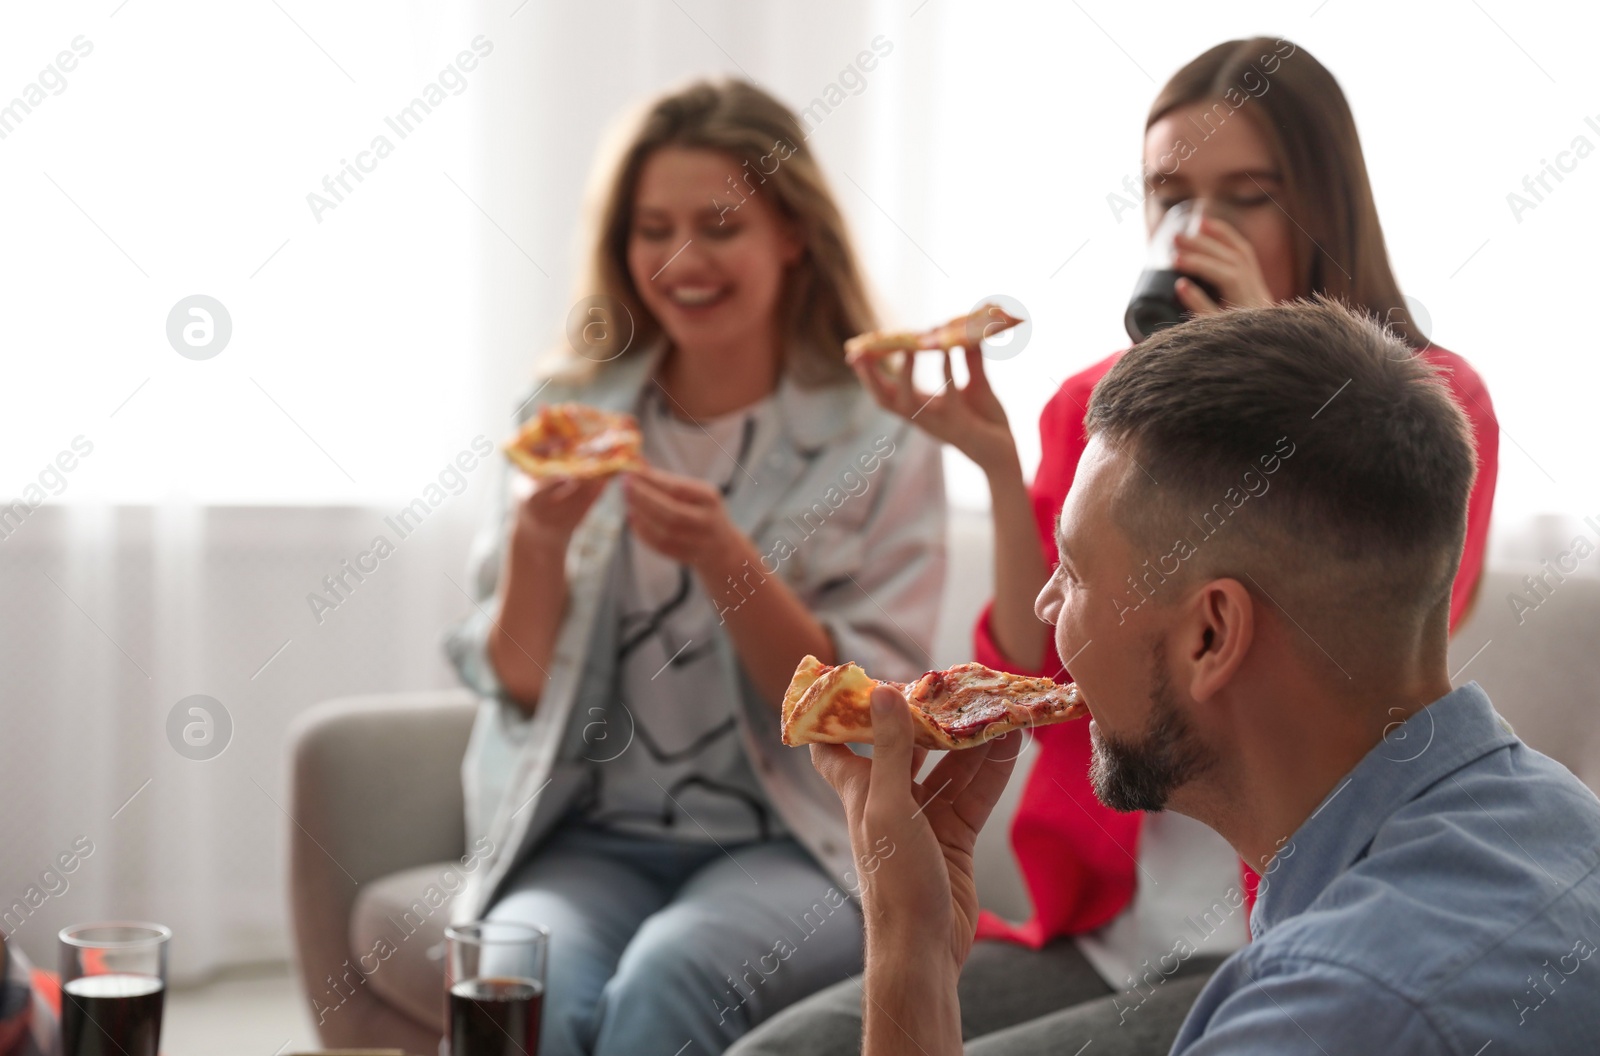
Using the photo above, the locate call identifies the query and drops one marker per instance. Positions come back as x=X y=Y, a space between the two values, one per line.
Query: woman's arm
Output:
x=1061 y=445
x=770 y=627
x=1019 y=570
x=534 y=599
x=972 y=420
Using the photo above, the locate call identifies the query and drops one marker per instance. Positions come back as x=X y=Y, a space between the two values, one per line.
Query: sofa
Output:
x=376 y=839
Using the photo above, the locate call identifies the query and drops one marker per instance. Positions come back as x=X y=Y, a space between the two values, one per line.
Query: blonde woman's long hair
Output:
x=824 y=300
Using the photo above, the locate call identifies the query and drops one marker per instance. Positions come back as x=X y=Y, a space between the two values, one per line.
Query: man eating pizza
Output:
x=1429 y=882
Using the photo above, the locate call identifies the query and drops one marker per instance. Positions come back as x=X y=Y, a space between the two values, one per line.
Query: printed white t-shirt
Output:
x=671 y=764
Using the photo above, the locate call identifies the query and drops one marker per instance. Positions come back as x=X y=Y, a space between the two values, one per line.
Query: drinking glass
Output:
x=494 y=986
x=1155 y=305
x=113 y=988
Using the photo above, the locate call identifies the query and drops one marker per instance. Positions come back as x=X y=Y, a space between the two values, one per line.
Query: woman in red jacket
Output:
x=1259 y=137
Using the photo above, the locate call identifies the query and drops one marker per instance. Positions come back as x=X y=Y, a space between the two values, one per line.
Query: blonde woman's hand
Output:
x=550 y=513
x=1220 y=255
x=970 y=419
x=681 y=518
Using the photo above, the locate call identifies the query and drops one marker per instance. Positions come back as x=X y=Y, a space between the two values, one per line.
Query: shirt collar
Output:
x=811 y=418
x=1446 y=735
x=815 y=417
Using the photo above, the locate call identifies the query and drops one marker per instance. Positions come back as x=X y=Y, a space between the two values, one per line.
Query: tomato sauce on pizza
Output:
x=960 y=707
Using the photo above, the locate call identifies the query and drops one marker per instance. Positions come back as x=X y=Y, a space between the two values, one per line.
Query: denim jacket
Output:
x=847 y=508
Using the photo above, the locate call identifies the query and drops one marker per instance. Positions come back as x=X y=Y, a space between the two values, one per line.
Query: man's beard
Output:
x=1143 y=774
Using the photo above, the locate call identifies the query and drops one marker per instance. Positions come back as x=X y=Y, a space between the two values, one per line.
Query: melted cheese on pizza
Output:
x=570 y=439
x=958 y=708
x=972 y=703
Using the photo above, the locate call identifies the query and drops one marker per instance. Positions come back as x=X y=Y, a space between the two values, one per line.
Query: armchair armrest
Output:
x=375 y=787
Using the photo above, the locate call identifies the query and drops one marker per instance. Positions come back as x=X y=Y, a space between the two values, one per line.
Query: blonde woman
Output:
x=636 y=634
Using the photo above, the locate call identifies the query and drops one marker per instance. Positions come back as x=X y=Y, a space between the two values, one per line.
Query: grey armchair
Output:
x=377 y=807
x=377 y=817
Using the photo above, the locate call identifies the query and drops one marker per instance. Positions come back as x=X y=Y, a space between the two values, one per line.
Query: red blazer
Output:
x=1077 y=856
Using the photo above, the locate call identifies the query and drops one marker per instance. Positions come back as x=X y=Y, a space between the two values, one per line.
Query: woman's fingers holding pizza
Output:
x=977 y=376
x=679 y=518
x=907 y=397
x=547 y=496
x=653 y=513
x=666 y=501
x=569 y=492
x=684 y=489
x=645 y=497
x=893 y=387
x=967 y=417
x=874 y=380
x=556 y=505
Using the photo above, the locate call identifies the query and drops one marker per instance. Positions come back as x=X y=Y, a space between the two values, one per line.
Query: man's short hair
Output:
x=1301 y=444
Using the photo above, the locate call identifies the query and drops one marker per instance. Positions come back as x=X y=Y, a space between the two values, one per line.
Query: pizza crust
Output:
x=807 y=673
x=835 y=708
x=966 y=331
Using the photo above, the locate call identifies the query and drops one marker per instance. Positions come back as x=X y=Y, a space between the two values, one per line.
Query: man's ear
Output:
x=1217 y=635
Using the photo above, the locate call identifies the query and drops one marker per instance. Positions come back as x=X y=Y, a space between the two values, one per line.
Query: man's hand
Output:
x=921 y=902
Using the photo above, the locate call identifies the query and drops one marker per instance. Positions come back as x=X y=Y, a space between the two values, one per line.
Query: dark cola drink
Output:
x=1154 y=304
x=111 y=1015
x=495 y=1017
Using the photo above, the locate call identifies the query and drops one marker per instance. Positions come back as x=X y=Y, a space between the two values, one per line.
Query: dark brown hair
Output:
x=824 y=300
x=1366 y=514
x=1301 y=111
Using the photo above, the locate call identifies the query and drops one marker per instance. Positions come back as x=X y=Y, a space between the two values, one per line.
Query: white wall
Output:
x=978 y=158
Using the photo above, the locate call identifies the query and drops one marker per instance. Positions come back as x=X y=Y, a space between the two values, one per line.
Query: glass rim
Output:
x=466 y=932
x=156 y=934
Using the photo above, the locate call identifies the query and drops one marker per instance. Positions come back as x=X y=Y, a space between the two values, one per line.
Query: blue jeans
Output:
x=658 y=944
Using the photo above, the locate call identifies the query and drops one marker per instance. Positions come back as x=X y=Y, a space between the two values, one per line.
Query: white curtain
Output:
x=114 y=616
x=374 y=338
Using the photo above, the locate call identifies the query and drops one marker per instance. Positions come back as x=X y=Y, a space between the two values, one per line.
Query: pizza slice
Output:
x=574 y=440
x=962 y=707
x=963 y=332
x=808 y=672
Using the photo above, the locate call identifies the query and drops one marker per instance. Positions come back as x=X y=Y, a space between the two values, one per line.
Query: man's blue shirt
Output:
x=1444 y=898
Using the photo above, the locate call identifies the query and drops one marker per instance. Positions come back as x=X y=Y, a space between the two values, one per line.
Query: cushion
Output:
x=1534 y=654
x=397 y=938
